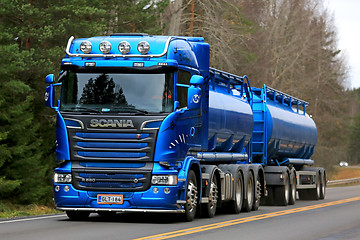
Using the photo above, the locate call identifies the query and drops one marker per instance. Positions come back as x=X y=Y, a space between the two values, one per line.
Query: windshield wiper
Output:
x=130 y=108
x=86 y=108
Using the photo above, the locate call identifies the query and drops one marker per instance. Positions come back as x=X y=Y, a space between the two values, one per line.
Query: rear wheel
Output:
x=209 y=209
x=236 y=204
x=191 y=197
x=249 y=201
x=292 y=198
x=257 y=194
x=76 y=215
x=282 y=193
x=323 y=185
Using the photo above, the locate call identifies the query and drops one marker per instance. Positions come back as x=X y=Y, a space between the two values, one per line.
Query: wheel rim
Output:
x=250 y=191
x=192 y=196
x=324 y=185
x=213 y=196
x=258 y=190
x=287 y=190
x=238 y=192
x=318 y=186
x=293 y=188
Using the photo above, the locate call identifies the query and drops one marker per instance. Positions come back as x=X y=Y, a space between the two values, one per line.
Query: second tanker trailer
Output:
x=145 y=125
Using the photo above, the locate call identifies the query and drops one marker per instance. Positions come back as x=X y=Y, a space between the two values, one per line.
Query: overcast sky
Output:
x=347 y=21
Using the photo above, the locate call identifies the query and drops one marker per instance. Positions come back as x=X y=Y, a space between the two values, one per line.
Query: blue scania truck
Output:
x=144 y=124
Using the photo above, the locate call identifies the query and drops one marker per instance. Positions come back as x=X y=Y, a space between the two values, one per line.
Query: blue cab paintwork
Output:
x=224 y=122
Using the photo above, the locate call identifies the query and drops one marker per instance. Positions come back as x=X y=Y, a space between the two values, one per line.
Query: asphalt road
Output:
x=336 y=217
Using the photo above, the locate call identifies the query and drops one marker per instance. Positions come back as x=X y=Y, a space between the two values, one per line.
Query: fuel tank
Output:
x=230 y=120
x=290 y=132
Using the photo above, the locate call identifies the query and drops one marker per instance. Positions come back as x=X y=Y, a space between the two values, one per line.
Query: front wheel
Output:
x=192 y=195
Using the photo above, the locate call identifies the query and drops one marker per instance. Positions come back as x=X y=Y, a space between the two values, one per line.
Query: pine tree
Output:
x=32 y=39
x=33 y=35
x=20 y=159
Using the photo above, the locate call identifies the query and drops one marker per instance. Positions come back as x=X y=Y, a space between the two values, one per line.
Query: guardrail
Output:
x=343 y=181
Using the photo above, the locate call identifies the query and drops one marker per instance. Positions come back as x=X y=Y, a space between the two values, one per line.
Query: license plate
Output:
x=109 y=199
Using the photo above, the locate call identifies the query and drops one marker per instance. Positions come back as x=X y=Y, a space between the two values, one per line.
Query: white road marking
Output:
x=33 y=218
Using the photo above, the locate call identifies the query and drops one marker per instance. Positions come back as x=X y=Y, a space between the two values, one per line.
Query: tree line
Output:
x=287 y=45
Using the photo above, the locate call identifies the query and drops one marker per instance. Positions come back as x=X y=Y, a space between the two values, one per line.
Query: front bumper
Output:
x=146 y=201
x=120 y=210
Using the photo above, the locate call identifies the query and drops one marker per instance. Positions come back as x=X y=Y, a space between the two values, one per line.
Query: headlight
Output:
x=105 y=47
x=143 y=47
x=164 y=180
x=124 y=47
x=62 y=178
x=86 y=47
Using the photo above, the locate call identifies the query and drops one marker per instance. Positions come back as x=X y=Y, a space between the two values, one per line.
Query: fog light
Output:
x=57 y=188
x=124 y=47
x=86 y=47
x=155 y=190
x=66 y=188
x=105 y=47
x=143 y=47
x=166 y=190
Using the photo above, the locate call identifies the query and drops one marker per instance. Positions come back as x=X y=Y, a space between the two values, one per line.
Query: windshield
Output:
x=117 y=92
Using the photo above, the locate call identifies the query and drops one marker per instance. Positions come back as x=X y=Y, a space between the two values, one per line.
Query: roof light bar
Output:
x=71 y=39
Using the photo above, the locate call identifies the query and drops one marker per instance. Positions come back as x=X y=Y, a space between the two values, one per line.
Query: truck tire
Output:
x=257 y=193
x=235 y=205
x=250 y=195
x=292 y=198
x=77 y=215
x=191 y=197
x=323 y=185
x=209 y=209
x=282 y=193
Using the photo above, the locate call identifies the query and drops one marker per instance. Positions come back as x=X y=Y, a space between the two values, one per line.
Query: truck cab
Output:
x=130 y=110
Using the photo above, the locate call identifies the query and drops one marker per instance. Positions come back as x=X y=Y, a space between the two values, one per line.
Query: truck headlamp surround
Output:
x=62 y=178
x=143 y=47
x=124 y=47
x=164 y=180
x=105 y=47
x=86 y=46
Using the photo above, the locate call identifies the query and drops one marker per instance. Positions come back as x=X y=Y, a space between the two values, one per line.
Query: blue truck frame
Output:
x=215 y=143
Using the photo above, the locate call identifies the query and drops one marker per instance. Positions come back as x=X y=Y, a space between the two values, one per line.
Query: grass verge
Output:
x=10 y=210
x=346 y=173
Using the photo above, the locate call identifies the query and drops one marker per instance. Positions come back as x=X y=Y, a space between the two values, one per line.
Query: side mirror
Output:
x=196 y=80
x=49 y=96
x=50 y=78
